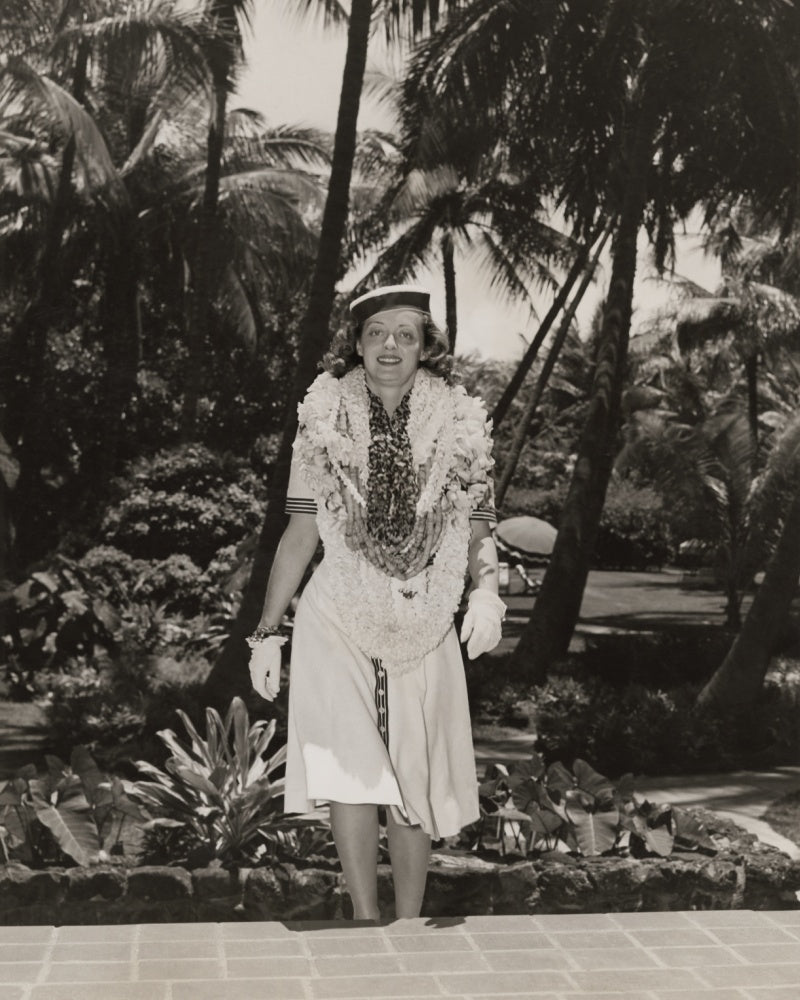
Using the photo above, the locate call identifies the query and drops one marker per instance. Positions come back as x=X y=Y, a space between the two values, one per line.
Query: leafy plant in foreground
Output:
x=71 y=812
x=581 y=812
x=220 y=794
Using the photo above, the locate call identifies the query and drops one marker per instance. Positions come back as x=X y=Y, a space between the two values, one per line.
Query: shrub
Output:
x=115 y=705
x=633 y=531
x=73 y=814
x=663 y=659
x=175 y=582
x=81 y=613
x=220 y=792
x=55 y=616
x=186 y=501
x=661 y=731
x=581 y=812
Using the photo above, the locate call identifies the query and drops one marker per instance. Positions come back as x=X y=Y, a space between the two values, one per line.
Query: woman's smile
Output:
x=391 y=345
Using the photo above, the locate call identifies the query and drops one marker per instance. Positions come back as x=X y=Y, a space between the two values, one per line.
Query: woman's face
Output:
x=392 y=346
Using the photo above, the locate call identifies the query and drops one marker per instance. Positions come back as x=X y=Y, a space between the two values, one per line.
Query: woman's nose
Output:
x=390 y=341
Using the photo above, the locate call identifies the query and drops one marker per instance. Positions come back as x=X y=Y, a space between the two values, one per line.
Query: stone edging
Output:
x=759 y=878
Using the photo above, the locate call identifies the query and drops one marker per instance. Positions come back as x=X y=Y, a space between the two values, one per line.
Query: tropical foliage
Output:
x=581 y=812
x=71 y=812
x=220 y=793
x=170 y=266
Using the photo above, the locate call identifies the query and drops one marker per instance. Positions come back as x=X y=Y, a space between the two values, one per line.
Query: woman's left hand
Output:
x=482 y=629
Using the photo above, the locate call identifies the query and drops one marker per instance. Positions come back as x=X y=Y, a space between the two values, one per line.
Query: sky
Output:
x=293 y=76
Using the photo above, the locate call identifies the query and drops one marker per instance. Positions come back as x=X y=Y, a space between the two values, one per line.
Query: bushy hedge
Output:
x=184 y=501
x=116 y=705
x=633 y=532
x=653 y=731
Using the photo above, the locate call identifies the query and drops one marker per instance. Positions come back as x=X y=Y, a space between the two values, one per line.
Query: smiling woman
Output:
x=391 y=470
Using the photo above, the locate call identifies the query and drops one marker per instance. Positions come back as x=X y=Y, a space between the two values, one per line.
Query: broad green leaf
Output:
x=690 y=832
x=592 y=782
x=544 y=821
x=71 y=833
x=595 y=832
x=200 y=782
x=92 y=778
x=659 y=841
x=559 y=779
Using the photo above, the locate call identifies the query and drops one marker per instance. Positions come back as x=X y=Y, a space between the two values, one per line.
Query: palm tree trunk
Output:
x=229 y=674
x=503 y=405
x=751 y=373
x=739 y=678
x=547 y=634
x=524 y=423
x=449 y=268
x=122 y=349
x=27 y=422
x=206 y=263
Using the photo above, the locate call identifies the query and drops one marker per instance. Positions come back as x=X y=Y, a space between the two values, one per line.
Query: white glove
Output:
x=482 y=627
x=265 y=666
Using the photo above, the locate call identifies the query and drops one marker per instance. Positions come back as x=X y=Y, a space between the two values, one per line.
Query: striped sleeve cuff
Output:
x=484 y=514
x=300 y=505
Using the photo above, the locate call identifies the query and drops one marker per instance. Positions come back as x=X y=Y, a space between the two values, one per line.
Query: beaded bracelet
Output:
x=262 y=633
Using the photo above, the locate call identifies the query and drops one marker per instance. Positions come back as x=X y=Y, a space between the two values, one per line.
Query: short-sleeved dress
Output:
x=378 y=709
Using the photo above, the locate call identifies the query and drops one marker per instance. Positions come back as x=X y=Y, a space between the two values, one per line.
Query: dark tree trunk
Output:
x=548 y=632
x=500 y=411
x=206 y=264
x=449 y=268
x=27 y=423
x=751 y=373
x=739 y=678
x=523 y=425
x=229 y=674
x=121 y=347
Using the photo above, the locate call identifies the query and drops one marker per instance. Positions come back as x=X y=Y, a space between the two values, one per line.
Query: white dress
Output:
x=358 y=733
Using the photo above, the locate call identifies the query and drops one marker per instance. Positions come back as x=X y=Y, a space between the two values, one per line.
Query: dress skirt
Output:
x=359 y=735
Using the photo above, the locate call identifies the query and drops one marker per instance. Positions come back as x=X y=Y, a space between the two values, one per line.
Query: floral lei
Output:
x=397 y=605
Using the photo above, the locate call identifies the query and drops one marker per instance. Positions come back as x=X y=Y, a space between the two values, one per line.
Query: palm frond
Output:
x=277 y=146
x=97 y=171
x=150 y=37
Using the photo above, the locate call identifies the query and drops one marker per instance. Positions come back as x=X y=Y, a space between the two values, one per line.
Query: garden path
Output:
x=701 y=955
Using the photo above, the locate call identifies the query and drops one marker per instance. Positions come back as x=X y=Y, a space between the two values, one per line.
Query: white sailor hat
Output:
x=390 y=297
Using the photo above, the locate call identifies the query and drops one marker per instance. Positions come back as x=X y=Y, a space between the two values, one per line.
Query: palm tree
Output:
x=756 y=318
x=630 y=114
x=145 y=100
x=452 y=197
x=60 y=52
x=224 y=55
x=738 y=679
x=523 y=425
x=228 y=675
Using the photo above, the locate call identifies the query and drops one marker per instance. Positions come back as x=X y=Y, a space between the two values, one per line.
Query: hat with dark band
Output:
x=390 y=297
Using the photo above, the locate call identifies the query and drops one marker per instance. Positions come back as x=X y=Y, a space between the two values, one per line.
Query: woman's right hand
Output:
x=265 y=666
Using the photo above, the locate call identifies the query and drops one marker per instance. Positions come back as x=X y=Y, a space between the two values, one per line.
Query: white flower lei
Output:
x=397 y=621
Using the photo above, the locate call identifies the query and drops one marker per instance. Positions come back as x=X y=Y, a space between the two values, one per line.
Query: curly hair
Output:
x=342 y=356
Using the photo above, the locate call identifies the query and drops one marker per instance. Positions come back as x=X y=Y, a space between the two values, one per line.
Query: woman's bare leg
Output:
x=355 y=833
x=409 y=849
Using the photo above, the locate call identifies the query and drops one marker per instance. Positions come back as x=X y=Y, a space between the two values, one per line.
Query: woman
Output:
x=391 y=470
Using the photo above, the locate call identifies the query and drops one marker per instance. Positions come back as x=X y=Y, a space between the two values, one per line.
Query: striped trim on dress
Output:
x=381 y=700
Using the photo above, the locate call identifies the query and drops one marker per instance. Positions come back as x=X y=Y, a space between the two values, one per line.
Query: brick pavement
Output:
x=709 y=955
